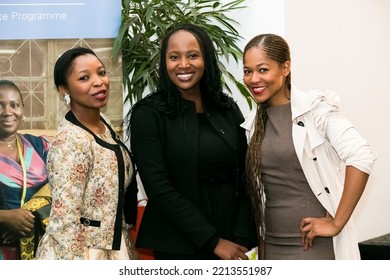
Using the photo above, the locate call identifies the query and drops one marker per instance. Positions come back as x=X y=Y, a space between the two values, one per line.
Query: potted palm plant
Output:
x=145 y=22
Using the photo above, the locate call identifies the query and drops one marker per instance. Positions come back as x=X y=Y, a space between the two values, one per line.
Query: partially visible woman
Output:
x=190 y=152
x=299 y=143
x=89 y=169
x=22 y=171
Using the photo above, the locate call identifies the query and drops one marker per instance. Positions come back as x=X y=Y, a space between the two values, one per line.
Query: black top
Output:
x=167 y=152
x=216 y=179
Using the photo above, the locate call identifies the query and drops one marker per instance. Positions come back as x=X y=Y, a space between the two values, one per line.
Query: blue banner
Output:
x=56 y=19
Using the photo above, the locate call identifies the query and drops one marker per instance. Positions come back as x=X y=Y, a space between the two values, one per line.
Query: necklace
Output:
x=9 y=144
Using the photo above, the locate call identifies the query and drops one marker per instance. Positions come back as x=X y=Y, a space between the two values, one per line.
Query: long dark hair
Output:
x=167 y=98
x=277 y=49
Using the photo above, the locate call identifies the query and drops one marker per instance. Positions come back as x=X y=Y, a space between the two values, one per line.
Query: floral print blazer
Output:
x=88 y=177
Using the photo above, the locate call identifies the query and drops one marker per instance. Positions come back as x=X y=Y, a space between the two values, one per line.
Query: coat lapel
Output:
x=303 y=126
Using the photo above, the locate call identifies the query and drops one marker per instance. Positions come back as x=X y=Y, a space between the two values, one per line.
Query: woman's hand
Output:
x=19 y=221
x=310 y=228
x=228 y=250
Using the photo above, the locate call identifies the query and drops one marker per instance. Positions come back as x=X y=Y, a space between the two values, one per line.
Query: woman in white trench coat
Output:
x=307 y=166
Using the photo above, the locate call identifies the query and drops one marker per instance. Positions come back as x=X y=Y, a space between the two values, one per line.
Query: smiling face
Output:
x=265 y=77
x=87 y=83
x=11 y=112
x=184 y=62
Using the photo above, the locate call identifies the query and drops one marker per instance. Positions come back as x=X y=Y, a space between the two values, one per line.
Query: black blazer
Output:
x=165 y=149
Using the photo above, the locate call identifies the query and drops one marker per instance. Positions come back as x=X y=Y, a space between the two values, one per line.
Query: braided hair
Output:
x=277 y=49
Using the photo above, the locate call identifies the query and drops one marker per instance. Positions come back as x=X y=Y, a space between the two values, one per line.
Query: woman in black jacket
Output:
x=189 y=150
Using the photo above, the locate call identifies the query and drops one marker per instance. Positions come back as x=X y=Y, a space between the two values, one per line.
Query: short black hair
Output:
x=65 y=63
x=10 y=84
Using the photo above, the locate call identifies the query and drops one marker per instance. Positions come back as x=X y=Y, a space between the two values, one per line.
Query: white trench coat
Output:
x=325 y=142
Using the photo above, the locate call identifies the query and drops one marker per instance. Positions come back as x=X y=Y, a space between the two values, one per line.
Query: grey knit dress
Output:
x=289 y=197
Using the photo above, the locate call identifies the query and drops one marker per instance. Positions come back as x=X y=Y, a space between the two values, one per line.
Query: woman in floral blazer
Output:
x=89 y=170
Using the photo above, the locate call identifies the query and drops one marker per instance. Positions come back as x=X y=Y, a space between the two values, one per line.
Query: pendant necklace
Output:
x=9 y=144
